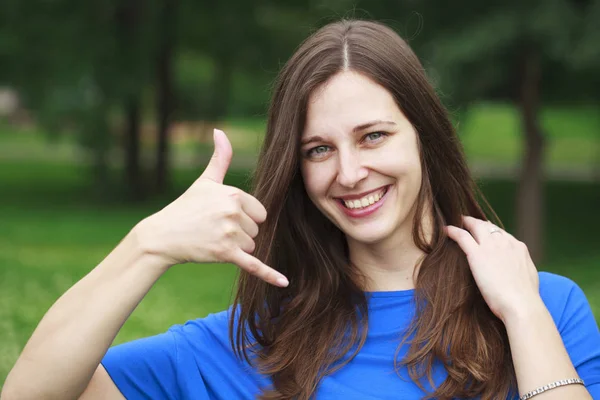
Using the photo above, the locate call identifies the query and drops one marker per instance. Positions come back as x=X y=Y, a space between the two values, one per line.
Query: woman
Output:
x=385 y=281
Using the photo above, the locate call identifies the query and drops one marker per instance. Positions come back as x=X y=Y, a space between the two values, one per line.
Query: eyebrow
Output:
x=356 y=129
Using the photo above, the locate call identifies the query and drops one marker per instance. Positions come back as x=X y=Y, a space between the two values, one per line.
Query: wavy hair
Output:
x=301 y=333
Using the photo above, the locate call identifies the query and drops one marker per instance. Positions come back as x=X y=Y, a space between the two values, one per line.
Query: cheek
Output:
x=316 y=181
x=399 y=164
x=402 y=159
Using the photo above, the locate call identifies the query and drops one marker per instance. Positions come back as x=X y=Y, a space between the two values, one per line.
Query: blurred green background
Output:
x=107 y=109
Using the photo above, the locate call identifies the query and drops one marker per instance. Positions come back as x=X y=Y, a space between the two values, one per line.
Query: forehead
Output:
x=347 y=100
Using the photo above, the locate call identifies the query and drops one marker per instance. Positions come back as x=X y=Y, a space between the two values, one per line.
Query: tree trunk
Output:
x=97 y=127
x=221 y=86
x=165 y=95
x=133 y=178
x=220 y=94
x=530 y=201
x=128 y=17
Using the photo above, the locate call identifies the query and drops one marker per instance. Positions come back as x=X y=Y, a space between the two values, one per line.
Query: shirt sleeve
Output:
x=193 y=361
x=581 y=337
x=145 y=368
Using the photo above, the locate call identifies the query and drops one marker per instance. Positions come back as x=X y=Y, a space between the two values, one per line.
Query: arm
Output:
x=210 y=222
x=101 y=387
x=509 y=283
x=539 y=355
x=66 y=348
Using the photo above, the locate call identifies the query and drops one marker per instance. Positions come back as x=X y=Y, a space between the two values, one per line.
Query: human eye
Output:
x=317 y=152
x=374 y=137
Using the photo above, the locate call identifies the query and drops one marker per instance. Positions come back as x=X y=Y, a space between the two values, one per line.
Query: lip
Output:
x=363 y=212
x=361 y=195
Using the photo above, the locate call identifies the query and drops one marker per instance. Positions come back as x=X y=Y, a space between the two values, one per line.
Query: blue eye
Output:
x=317 y=151
x=374 y=136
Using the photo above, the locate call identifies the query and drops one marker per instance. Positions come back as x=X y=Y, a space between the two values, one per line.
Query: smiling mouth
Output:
x=365 y=201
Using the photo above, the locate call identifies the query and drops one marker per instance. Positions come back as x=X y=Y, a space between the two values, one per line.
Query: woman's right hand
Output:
x=210 y=222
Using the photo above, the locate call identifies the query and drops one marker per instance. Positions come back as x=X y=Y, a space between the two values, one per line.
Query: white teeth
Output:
x=365 y=201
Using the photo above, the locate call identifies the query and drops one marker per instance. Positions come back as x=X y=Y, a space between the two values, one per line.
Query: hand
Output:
x=210 y=222
x=501 y=266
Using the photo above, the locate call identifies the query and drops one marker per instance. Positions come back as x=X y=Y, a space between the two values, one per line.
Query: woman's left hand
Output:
x=501 y=266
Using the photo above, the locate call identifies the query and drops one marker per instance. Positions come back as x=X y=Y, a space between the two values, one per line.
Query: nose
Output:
x=350 y=169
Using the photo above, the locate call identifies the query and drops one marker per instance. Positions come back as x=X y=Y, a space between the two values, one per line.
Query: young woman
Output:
x=374 y=275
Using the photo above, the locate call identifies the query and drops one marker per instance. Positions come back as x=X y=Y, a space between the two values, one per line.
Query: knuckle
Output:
x=522 y=246
x=253 y=268
x=235 y=194
x=254 y=231
x=232 y=210
x=221 y=253
x=247 y=246
x=263 y=213
x=229 y=230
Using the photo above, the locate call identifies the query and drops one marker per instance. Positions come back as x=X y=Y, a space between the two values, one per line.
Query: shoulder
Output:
x=568 y=306
x=555 y=289
x=558 y=291
x=171 y=347
x=551 y=281
x=212 y=323
x=576 y=324
x=562 y=296
x=187 y=361
x=207 y=334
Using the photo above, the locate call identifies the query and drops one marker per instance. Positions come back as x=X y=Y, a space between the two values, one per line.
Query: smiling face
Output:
x=360 y=159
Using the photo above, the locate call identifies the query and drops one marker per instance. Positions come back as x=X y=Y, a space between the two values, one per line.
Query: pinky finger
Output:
x=463 y=238
x=257 y=268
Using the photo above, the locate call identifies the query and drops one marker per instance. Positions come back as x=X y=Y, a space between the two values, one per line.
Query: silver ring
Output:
x=495 y=230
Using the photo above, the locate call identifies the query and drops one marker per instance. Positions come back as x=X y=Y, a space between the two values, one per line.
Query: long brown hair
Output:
x=299 y=334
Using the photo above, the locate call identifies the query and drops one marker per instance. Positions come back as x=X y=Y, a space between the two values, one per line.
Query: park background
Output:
x=107 y=109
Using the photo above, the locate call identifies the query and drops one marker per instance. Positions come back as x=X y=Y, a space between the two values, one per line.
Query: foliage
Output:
x=54 y=232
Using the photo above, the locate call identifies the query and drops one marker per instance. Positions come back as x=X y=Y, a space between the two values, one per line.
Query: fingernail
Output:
x=282 y=281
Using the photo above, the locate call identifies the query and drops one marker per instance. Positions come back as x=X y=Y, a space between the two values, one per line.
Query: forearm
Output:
x=539 y=355
x=70 y=341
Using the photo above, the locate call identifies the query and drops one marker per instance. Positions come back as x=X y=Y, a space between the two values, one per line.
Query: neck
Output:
x=390 y=264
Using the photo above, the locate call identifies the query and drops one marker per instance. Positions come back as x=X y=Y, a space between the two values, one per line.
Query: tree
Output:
x=506 y=51
x=164 y=88
x=128 y=16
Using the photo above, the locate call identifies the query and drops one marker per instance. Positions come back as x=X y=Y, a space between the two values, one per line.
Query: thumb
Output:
x=221 y=158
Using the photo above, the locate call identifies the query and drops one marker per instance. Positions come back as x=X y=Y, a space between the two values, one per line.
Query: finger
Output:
x=255 y=267
x=248 y=225
x=221 y=158
x=253 y=208
x=245 y=242
x=463 y=238
x=478 y=228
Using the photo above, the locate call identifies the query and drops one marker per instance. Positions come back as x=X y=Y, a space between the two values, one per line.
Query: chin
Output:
x=370 y=236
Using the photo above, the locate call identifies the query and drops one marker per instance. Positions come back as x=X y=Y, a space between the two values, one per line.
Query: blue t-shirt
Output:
x=195 y=361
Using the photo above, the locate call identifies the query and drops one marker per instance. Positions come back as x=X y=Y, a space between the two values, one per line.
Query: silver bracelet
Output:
x=552 y=385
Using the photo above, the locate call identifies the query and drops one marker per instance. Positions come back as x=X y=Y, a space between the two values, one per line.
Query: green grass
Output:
x=491 y=133
x=53 y=233
x=54 y=228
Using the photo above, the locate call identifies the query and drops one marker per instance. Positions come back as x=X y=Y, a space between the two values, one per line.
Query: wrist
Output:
x=525 y=313
x=141 y=239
